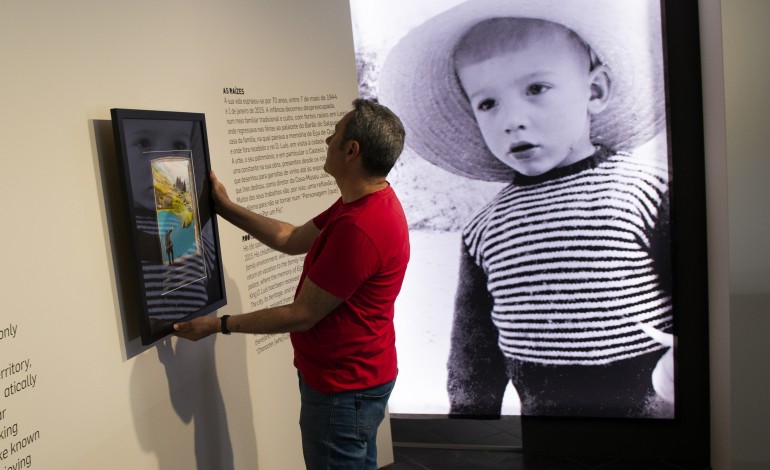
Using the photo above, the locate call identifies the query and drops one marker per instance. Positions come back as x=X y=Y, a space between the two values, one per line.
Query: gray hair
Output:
x=379 y=133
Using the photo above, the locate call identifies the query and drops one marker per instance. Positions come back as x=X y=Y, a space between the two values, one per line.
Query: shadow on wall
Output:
x=190 y=369
x=118 y=248
x=181 y=417
x=196 y=397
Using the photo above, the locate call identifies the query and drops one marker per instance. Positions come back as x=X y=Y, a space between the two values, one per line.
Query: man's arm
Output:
x=281 y=236
x=310 y=306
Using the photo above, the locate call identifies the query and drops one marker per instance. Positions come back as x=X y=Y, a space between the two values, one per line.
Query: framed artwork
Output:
x=163 y=160
x=556 y=303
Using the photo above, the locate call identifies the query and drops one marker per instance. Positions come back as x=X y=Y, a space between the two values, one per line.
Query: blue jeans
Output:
x=339 y=430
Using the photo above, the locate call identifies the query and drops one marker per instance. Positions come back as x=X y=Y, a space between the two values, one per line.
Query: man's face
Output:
x=335 y=152
x=531 y=104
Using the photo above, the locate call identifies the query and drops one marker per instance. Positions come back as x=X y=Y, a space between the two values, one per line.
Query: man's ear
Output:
x=600 y=81
x=352 y=149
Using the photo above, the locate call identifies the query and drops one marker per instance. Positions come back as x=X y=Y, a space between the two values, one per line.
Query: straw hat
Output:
x=418 y=78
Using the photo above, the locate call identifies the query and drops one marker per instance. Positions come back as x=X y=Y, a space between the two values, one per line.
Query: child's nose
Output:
x=515 y=118
x=514 y=124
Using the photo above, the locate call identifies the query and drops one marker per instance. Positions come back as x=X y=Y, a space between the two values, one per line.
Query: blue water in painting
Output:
x=183 y=238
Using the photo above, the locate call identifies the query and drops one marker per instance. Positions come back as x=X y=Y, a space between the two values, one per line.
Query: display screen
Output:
x=536 y=180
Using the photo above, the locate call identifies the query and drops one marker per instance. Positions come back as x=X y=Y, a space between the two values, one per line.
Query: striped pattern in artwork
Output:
x=569 y=265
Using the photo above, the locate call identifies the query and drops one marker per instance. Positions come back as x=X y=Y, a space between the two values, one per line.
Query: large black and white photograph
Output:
x=165 y=168
x=536 y=182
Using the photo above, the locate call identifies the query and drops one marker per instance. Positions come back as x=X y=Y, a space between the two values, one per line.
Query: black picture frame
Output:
x=176 y=263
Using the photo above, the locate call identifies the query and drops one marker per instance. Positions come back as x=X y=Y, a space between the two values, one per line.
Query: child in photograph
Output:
x=565 y=285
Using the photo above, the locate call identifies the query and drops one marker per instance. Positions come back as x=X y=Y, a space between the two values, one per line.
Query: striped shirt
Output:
x=568 y=261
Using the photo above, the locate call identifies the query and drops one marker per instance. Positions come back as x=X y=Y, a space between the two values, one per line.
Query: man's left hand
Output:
x=197 y=328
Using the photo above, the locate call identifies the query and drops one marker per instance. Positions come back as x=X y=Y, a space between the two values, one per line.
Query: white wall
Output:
x=717 y=235
x=747 y=73
x=736 y=67
x=100 y=399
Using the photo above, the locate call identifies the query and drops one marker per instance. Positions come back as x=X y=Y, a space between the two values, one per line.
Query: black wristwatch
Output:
x=223 y=324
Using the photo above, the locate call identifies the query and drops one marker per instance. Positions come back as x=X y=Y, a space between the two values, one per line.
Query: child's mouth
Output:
x=522 y=151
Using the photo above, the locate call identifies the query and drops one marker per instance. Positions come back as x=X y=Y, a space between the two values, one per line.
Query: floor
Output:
x=443 y=444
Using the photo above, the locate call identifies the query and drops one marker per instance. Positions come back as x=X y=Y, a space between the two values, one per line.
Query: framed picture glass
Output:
x=163 y=160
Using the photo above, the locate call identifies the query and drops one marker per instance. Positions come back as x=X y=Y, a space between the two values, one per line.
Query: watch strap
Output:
x=223 y=324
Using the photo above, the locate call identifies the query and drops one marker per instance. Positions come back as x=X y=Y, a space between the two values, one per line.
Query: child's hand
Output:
x=663 y=376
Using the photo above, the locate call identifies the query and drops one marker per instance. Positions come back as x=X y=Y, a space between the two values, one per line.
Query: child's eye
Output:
x=537 y=89
x=143 y=143
x=486 y=105
x=180 y=145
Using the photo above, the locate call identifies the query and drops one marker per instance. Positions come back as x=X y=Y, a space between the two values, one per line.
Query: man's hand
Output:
x=197 y=328
x=218 y=191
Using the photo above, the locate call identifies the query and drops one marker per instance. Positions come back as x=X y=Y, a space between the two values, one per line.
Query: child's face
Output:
x=533 y=103
x=143 y=137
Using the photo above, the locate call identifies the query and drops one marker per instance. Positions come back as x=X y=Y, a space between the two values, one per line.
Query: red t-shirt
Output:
x=360 y=256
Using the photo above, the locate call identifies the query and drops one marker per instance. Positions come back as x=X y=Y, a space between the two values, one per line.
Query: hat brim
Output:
x=418 y=78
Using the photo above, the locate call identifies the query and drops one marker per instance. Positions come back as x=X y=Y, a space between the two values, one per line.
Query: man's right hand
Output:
x=278 y=235
x=218 y=191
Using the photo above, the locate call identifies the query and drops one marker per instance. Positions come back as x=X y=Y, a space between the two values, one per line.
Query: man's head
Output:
x=379 y=133
x=533 y=86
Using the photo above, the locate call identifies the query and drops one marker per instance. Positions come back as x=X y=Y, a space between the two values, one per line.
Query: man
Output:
x=341 y=320
x=169 y=247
